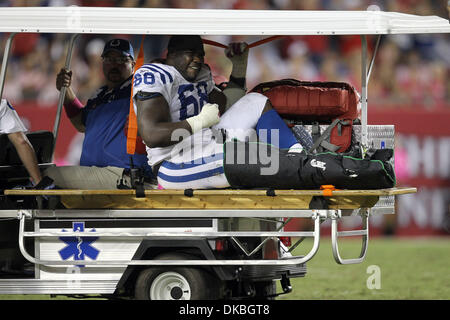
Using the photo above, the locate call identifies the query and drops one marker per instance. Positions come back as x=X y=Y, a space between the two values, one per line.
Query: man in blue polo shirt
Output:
x=104 y=159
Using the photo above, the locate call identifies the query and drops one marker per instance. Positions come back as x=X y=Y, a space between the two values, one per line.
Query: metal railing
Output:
x=317 y=216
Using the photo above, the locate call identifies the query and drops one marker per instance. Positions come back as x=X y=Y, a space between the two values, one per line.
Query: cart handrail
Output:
x=287 y=261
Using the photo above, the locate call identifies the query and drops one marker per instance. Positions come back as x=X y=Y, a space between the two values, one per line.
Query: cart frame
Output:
x=86 y=204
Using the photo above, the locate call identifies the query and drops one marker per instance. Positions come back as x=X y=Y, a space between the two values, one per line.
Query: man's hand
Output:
x=71 y=104
x=208 y=117
x=237 y=52
x=63 y=79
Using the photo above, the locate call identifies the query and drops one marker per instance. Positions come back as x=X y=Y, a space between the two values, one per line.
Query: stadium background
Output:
x=409 y=88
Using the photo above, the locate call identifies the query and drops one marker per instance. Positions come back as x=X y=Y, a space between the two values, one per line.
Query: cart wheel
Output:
x=176 y=282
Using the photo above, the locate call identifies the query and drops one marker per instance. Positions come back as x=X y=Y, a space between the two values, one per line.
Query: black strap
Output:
x=315 y=132
x=140 y=191
x=321 y=141
x=189 y=192
x=318 y=202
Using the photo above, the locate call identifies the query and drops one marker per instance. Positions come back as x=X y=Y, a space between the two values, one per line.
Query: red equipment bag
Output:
x=333 y=103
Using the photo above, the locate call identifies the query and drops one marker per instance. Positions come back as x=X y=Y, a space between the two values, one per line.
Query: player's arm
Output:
x=155 y=126
x=236 y=88
x=72 y=105
x=26 y=154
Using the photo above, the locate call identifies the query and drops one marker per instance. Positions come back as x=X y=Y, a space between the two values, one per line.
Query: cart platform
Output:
x=214 y=199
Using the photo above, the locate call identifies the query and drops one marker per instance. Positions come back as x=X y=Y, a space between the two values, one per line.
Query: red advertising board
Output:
x=422 y=161
x=42 y=117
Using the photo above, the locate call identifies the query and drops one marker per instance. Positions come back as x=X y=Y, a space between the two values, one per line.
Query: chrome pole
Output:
x=364 y=136
x=373 y=57
x=62 y=93
x=5 y=62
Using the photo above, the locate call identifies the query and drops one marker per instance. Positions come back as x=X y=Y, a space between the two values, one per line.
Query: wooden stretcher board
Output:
x=212 y=199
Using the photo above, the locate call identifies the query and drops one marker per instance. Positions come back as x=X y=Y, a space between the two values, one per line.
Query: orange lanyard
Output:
x=132 y=121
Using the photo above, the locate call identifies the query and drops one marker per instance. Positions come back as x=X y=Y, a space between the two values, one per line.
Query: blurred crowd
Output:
x=408 y=70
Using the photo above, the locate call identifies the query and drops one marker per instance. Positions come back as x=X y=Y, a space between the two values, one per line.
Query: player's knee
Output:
x=257 y=101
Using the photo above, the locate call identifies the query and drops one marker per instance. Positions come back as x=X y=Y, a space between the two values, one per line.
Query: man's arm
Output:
x=71 y=103
x=237 y=52
x=26 y=154
x=157 y=130
x=236 y=87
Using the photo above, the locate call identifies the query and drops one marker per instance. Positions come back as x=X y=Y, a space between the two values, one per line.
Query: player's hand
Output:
x=210 y=114
x=208 y=117
x=63 y=79
x=237 y=52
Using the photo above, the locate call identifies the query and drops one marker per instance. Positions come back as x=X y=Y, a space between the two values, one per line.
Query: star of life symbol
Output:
x=78 y=247
x=318 y=164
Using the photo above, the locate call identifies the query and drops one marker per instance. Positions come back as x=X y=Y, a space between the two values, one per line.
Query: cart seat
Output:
x=11 y=167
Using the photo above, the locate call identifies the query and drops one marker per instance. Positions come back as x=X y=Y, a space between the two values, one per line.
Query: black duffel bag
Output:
x=258 y=165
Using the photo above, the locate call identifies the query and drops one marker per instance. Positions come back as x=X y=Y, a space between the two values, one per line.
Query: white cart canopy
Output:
x=213 y=22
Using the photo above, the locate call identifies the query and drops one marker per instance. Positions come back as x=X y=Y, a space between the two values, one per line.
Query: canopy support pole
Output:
x=373 y=57
x=62 y=93
x=364 y=137
x=5 y=62
x=365 y=75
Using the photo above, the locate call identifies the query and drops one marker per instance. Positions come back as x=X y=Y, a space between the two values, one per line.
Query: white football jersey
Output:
x=9 y=119
x=185 y=99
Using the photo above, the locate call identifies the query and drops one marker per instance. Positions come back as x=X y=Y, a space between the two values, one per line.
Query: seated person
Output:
x=181 y=94
x=104 y=159
x=11 y=125
x=184 y=121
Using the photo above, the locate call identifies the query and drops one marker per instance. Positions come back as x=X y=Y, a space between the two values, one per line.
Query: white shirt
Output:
x=9 y=119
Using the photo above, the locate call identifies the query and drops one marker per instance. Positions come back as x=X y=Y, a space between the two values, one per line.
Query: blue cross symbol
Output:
x=78 y=247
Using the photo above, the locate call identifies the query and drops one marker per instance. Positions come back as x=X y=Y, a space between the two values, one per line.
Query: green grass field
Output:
x=409 y=269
